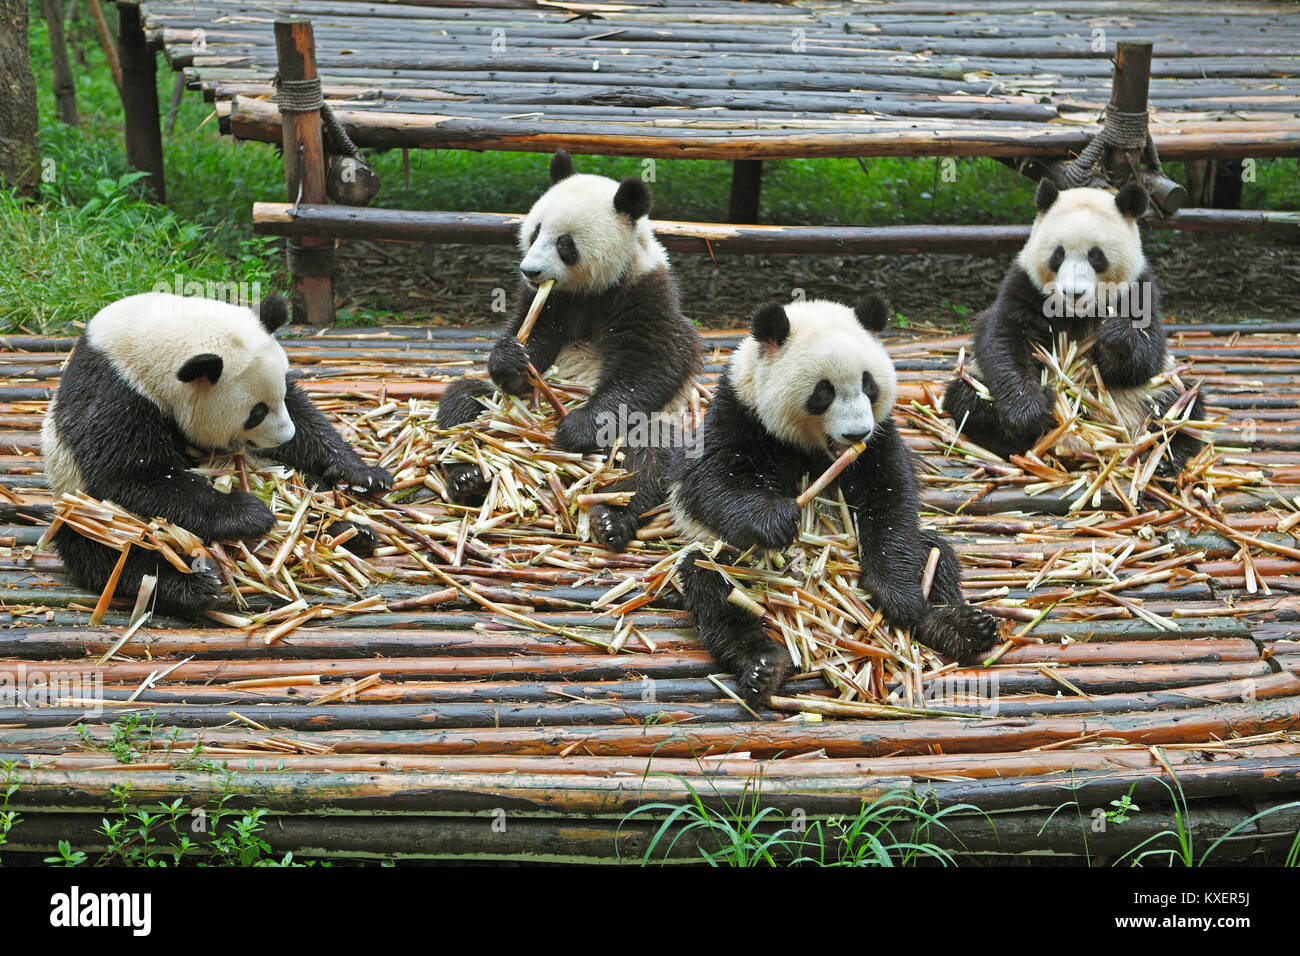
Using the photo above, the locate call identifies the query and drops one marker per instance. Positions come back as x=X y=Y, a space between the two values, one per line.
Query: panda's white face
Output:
x=588 y=233
x=815 y=375
x=1083 y=241
x=214 y=367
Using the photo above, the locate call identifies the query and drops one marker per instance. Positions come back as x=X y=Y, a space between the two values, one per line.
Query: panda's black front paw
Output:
x=362 y=543
x=244 y=518
x=577 y=431
x=760 y=671
x=355 y=476
x=465 y=484
x=613 y=527
x=963 y=633
x=773 y=525
x=508 y=366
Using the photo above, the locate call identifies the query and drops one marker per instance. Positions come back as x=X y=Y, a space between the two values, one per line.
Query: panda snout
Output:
x=531 y=273
x=850 y=437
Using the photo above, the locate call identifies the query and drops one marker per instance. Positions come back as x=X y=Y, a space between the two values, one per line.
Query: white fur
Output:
x=826 y=341
x=610 y=247
x=1078 y=220
x=149 y=337
x=61 y=471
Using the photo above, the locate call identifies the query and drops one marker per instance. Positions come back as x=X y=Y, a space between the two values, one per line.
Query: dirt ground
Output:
x=1202 y=278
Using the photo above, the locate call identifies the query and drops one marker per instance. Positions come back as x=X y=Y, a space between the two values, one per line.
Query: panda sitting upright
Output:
x=154 y=375
x=810 y=380
x=612 y=322
x=1083 y=254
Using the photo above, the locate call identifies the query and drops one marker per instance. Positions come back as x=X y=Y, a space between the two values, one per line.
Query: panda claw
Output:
x=963 y=633
x=614 y=527
x=760 y=672
x=465 y=484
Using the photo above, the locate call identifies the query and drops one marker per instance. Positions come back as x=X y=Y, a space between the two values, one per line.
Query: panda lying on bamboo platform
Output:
x=612 y=322
x=1083 y=257
x=810 y=380
x=154 y=375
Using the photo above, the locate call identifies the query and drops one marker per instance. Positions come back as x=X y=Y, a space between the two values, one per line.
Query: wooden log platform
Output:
x=752 y=81
x=1146 y=653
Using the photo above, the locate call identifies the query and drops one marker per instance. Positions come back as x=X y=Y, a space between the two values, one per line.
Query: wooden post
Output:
x=1128 y=93
x=304 y=164
x=65 y=90
x=746 y=185
x=140 y=98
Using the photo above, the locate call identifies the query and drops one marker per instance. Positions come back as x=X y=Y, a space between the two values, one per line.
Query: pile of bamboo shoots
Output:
x=808 y=600
x=1094 y=447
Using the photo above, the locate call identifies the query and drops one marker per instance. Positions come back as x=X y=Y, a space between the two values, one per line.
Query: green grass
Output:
x=94 y=238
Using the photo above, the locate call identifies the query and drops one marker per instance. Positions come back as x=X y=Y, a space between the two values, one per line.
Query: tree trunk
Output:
x=65 y=89
x=18 y=120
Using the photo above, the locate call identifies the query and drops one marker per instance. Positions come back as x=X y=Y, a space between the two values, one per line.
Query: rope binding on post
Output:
x=1119 y=130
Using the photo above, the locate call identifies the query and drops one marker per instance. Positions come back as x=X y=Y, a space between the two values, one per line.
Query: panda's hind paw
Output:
x=760 y=672
x=189 y=594
x=613 y=527
x=963 y=632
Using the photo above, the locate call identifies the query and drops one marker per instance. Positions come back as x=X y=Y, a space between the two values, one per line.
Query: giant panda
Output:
x=153 y=376
x=612 y=321
x=810 y=379
x=1083 y=246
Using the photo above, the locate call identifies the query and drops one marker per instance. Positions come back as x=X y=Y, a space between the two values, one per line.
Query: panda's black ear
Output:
x=1131 y=200
x=873 y=313
x=273 y=311
x=207 y=366
x=561 y=166
x=1045 y=194
x=633 y=198
x=770 y=324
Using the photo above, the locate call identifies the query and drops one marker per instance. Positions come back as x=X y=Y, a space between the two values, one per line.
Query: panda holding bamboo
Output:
x=1083 y=256
x=612 y=321
x=809 y=381
x=154 y=376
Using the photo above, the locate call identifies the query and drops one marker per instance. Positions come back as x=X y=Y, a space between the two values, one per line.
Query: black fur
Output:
x=1131 y=201
x=770 y=324
x=743 y=487
x=649 y=351
x=130 y=452
x=207 y=366
x=561 y=166
x=1045 y=195
x=633 y=198
x=872 y=313
x=1021 y=411
x=273 y=311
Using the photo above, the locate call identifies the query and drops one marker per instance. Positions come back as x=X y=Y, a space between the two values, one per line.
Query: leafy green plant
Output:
x=1184 y=852
x=744 y=833
x=736 y=832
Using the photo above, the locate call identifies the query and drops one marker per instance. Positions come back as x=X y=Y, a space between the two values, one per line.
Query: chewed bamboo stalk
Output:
x=845 y=459
x=534 y=310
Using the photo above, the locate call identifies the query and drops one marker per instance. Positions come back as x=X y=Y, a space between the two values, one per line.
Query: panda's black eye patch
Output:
x=820 y=399
x=869 y=387
x=255 y=416
x=537 y=231
x=1058 y=257
x=567 y=248
x=1097 y=259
